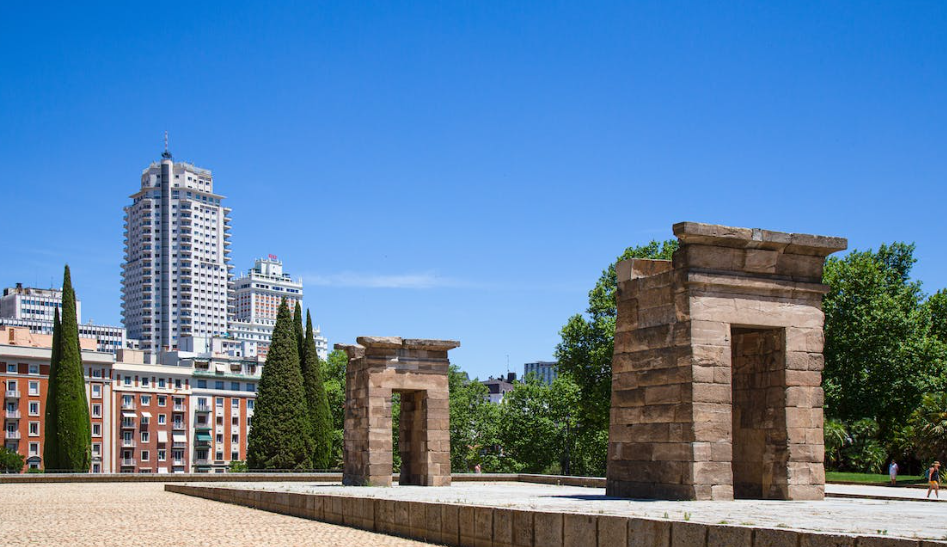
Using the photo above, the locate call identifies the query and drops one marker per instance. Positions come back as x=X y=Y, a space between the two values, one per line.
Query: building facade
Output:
x=34 y=309
x=170 y=413
x=544 y=371
x=257 y=297
x=176 y=277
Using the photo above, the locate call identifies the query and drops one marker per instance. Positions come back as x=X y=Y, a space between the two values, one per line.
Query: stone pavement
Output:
x=906 y=519
x=884 y=492
x=143 y=514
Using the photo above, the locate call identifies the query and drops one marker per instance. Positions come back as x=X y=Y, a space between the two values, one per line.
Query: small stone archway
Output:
x=418 y=370
x=716 y=374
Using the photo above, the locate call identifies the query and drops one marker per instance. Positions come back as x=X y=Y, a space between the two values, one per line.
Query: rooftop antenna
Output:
x=166 y=154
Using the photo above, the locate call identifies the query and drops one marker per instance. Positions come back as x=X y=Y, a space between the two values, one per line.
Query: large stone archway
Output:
x=418 y=370
x=716 y=375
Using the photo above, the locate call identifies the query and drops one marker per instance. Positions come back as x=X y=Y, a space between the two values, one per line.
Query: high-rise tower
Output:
x=176 y=276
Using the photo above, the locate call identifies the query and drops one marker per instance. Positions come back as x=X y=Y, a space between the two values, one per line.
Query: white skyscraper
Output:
x=176 y=276
x=257 y=297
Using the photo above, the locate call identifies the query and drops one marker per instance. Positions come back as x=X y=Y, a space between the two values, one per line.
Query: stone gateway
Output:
x=418 y=370
x=717 y=370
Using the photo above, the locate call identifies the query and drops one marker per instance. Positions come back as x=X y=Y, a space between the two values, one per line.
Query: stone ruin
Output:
x=716 y=375
x=418 y=370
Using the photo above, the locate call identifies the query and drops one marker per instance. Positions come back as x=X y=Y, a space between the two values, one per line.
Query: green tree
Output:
x=333 y=379
x=281 y=434
x=319 y=415
x=937 y=308
x=474 y=427
x=50 y=425
x=298 y=330
x=929 y=424
x=71 y=433
x=538 y=424
x=879 y=356
x=10 y=461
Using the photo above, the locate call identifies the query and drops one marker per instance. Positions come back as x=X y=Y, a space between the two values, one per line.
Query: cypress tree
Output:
x=50 y=429
x=319 y=414
x=72 y=433
x=298 y=328
x=281 y=436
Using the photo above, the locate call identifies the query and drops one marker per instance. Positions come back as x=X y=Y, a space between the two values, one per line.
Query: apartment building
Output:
x=35 y=308
x=176 y=277
x=171 y=413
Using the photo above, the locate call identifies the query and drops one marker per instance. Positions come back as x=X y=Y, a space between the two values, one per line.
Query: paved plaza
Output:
x=143 y=514
x=909 y=518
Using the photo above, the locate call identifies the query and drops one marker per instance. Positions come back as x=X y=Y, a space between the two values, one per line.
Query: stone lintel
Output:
x=754 y=238
x=750 y=284
x=354 y=351
x=396 y=342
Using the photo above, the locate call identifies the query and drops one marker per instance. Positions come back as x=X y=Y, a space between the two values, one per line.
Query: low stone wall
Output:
x=478 y=526
x=39 y=478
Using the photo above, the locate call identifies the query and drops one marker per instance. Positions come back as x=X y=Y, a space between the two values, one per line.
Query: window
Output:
x=161 y=382
x=11 y=368
x=162 y=455
x=96 y=430
x=202 y=384
x=144 y=437
x=219 y=384
x=128 y=401
x=234 y=402
x=34 y=408
x=162 y=400
x=234 y=456
x=96 y=468
x=34 y=369
x=96 y=449
x=145 y=455
x=220 y=401
x=235 y=386
x=249 y=404
x=145 y=400
x=34 y=388
x=235 y=420
x=220 y=439
x=144 y=382
x=235 y=439
x=162 y=419
x=177 y=384
x=219 y=455
x=97 y=410
x=34 y=429
x=34 y=449
x=145 y=420
x=127 y=380
x=97 y=391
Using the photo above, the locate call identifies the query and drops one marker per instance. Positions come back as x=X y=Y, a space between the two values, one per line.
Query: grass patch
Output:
x=870 y=478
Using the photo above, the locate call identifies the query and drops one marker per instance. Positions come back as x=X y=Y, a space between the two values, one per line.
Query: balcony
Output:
x=13 y=414
x=178 y=462
x=128 y=443
x=128 y=424
x=179 y=426
x=128 y=405
x=179 y=408
x=126 y=462
x=12 y=394
x=11 y=435
x=203 y=408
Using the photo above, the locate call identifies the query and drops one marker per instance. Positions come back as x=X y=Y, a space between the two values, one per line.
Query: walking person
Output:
x=933 y=480
x=893 y=472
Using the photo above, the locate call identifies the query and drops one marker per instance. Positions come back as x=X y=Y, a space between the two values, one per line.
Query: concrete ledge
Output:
x=478 y=526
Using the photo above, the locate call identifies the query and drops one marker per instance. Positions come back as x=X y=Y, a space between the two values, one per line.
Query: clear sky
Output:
x=467 y=169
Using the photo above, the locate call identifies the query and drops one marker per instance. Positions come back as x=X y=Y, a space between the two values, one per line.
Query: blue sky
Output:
x=467 y=169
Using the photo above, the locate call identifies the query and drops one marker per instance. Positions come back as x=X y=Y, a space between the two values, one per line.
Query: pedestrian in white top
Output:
x=893 y=472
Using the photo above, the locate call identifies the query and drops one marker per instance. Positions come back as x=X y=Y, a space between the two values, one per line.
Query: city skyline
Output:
x=468 y=175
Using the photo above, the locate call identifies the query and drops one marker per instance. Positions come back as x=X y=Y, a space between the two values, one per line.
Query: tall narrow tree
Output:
x=281 y=435
x=49 y=440
x=71 y=435
x=319 y=414
x=298 y=328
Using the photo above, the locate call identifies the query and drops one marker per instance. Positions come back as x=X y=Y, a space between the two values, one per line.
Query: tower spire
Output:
x=166 y=154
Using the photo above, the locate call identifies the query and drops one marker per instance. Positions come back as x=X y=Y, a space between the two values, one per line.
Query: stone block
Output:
x=766 y=537
x=881 y=541
x=649 y=533
x=807 y=539
x=450 y=524
x=502 y=528
x=688 y=534
x=579 y=530
x=729 y=536
x=612 y=531
x=523 y=528
x=547 y=529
